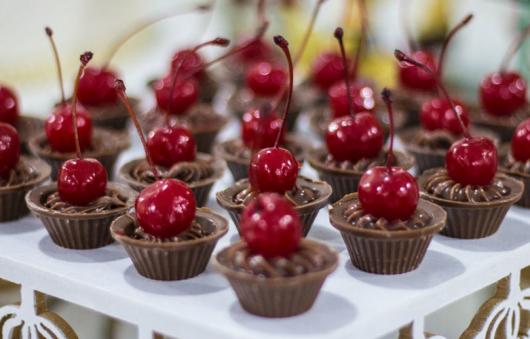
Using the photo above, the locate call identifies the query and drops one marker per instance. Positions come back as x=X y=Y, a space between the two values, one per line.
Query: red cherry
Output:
x=260 y=128
x=362 y=99
x=270 y=226
x=437 y=114
x=165 y=208
x=170 y=145
x=327 y=70
x=472 y=161
x=521 y=141
x=266 y=79
x=96 y=87
x=413 y=77
x=185 y=95
x=8 y=106
x=60 y=132
x=9 y=149
x=255 y=50
x=273 y=169
x=503 y=93
x=189 y=61
x=81 y=181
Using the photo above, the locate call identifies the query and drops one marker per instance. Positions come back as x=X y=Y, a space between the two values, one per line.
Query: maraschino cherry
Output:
x=275 y=169
x=270 y=226
x=386 y=191
x=166 y=207
x=260 y=128
x=355 y=136
x=504 y=92
x=81 y=181
x=521 y=142
x=327 y=69
x=58 y=127
x=266 y=79
x=257 y=49
x=9 y=111
x=9 y=149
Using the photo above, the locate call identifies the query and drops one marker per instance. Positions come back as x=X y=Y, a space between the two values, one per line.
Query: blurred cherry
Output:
x=9 y=111
x=9 y=149
x=521 y=142
x=472 y=161
x=260 y=128
x=171 y=145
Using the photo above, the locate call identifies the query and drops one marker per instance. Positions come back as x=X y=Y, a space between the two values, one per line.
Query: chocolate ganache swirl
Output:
x=355 y=215
x=441 y=185
x=361 y=165
x=196 y=231
x=110 y=201
x=439 y=139
x=20 y=174
x=516 y=166
x=300 y=195
x=188 y=172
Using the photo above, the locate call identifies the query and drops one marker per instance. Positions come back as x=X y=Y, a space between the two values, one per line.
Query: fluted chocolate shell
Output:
x=170 y=260
x=386 y=252
x=505 y=125
x=112 y=116
x=279 y=296
x=473 y=220
x=524 y=177
x=77 y=230
x=27 y=127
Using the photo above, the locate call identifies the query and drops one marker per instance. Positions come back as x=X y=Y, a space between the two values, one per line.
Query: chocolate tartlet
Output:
x=344 y=176
x=409 y=102
x=308 y=197
x=519 y=170
x=504 y=126
x=277 y=287
x=177 y=258
x=27 y=127
x=199 y=175
x=28 y=173
x=111 y=116
x=378 y=246
x=238 y=156
x=106 y=147
x=203 y=122
x=472 y=211
x=79 y=227
x=429 y=147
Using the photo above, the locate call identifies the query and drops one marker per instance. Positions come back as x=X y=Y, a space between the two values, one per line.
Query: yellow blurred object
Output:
x=379 y=67
x=434 y=20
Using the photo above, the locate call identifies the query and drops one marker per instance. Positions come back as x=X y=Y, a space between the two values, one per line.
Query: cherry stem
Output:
x=308 y=32
x=402 y=57
x=85 y=58
x=411 y=41
x=127 y=36
x=261 y=10
x=448 y=39
x=361 y=38
x=120 y=86
x=339 y=33
x=49 y=33
x=387 y=98
x=284 y=45
x=514 y=47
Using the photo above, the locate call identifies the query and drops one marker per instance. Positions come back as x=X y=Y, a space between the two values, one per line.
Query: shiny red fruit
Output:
x=327 y=70
x=81 y=181
x=260 y=129
x=60 y=132
x=266 y=79
x=436 y=114
x=502 y=94
x=270 y=226
x=362 y=99
x=392 y=194
x=9 y=149
x=256 y=50
x=170 y=145
x=472 y=161
x=184 y=95
x=8 y=106
x=354 y=138
x=189 y=62
x=413 y=77
x=96 y=87
x=521 y=142
x=273 y=169
x=165 y=208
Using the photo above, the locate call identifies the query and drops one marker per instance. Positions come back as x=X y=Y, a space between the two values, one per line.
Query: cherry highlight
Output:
x=49 y=33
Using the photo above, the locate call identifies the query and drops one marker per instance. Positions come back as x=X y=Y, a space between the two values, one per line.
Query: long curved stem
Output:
x=514 y=47
x=49 y=33
x=284 y=45
x=339 y=33
x=85 y=58
x=308 y=32
x=387 y=98
x=448 y=39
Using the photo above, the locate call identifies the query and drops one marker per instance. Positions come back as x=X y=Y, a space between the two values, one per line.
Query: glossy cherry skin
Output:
x=270 y=226
x=8 y=106
x=327 y=70
x=502 y=94
x=472 y=161
x=259 y=129
x=170 y=145
x=96 y=87
x=391 y=194
x=184 y=96
x=521 y=141
x=165 y=208
x=189 y=62
x=354 y=138
x=273 y=169
x=266 y=79
x=9 y=149
x=363 y=99
x=255 y=51
x=81 y=181
x=436 y=114
x=60 y=132
x=413 y=77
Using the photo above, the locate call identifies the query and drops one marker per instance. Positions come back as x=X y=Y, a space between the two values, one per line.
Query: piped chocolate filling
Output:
x=355 y=215
x=188 y=172
x=516 y=166
x=110 y=201
x=20 y=174
x=196 y=231
x=300 y=194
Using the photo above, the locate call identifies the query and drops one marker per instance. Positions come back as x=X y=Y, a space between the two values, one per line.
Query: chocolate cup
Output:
x=409 y=101
x=474 y=220
x=344 y=181
x=504 y=126
x=78 y=231
x=170 y=260
x=524 y=177
x=386 y=252
x=307 y=212
x=116 y=142
x=12 y=199
x=201 y=188
x=279 y=296
x=238 y=166
x=114 y=116
x=28 y=126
